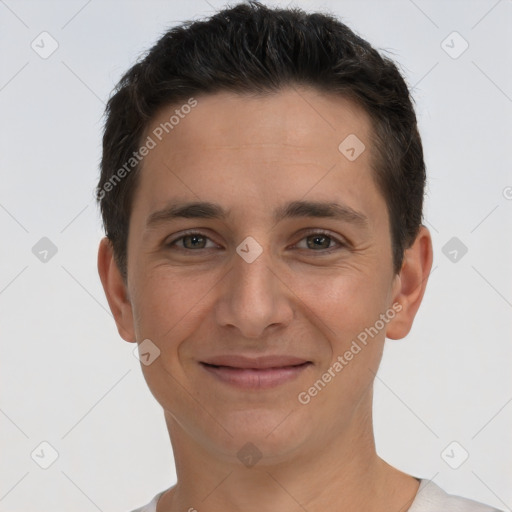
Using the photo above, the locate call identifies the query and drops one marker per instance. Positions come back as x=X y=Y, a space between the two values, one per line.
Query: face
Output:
x=255 y=296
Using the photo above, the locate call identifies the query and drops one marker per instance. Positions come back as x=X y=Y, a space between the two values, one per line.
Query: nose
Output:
x=254 y=298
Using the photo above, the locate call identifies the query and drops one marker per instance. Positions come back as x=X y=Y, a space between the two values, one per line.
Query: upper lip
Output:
x=263 y=362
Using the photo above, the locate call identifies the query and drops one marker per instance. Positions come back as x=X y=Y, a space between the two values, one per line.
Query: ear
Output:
x=410 y=284
x=115 y=291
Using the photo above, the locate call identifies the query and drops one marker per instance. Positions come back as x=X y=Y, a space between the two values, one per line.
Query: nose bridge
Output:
x=252 y=298
x=252 y=280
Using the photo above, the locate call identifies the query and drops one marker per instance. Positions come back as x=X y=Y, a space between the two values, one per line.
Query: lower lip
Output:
x=249 y=378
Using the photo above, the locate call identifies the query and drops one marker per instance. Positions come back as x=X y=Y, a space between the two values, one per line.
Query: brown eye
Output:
x=194 y=241
x=191 y=241
x=318 y=241
x=322 y=243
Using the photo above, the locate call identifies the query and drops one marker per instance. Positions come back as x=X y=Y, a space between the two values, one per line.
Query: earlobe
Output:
x=411 y=283
x=115 y=291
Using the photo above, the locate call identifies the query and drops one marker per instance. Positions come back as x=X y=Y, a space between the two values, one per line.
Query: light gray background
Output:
x=67 y=378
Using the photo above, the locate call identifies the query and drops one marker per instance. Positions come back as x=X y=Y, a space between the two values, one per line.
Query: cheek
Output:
x=345 y=303
x=167 y=304
x=346 y=309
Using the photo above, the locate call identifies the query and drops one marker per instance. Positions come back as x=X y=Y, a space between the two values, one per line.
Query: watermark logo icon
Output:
x=44 y=455
x=249 y=455
x=351 y=147
x=44 y=45
x=454 y=45
x=454 y=249
x=455 y=455
x=146 y=352
x=249 y=249
x=44 y=250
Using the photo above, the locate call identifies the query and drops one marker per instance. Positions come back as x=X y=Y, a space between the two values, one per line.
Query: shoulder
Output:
x=431 y=498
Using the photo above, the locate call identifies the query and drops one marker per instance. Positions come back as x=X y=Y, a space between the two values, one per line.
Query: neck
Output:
x=336 y=468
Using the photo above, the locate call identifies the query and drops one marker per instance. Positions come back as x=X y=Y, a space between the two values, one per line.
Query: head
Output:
x=264 y=119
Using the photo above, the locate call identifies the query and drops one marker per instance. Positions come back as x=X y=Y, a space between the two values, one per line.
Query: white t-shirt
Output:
x=429 y=498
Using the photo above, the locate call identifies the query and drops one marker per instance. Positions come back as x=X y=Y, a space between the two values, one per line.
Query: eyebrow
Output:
x=320 y=209
x=293 y=209
x=195 y=210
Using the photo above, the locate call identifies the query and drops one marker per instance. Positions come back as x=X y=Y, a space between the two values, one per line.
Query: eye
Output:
x=191 y=241
x=320 y=242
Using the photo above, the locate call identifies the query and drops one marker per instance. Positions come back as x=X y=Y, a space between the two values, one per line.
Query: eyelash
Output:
x=340 y=244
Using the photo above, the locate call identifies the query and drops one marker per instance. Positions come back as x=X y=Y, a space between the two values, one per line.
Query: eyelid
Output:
x=185 y=233
x=341 y=241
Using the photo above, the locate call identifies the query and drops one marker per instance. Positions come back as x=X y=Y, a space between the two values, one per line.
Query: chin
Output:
x=269 y=434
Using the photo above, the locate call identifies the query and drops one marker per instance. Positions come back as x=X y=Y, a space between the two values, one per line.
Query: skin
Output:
x=251 y=155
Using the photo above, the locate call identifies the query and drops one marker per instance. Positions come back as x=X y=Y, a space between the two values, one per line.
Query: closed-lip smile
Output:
x=255 y=372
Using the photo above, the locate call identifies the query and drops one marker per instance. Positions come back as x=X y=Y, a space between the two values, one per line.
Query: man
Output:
x=261 y=189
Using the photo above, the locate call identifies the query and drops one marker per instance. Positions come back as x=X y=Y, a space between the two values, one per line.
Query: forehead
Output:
x=298 y=117
x=261 y=146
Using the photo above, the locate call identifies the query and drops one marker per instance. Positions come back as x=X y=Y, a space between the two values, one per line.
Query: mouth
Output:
x=256 y=374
